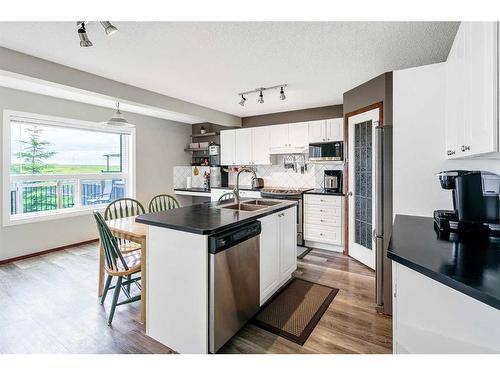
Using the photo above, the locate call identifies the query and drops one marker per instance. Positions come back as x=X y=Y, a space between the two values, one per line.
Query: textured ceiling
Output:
x=209 y=63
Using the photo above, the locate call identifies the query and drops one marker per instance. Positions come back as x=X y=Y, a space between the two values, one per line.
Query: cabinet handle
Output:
x=462 y=148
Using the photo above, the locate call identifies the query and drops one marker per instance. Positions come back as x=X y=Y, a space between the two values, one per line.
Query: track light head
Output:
x=282 y=94
x=261 y=98
x=84 y=39
x=108 y=28
x=242 y=101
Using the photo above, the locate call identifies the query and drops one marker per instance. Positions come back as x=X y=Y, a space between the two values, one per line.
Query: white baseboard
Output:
x=324 y=246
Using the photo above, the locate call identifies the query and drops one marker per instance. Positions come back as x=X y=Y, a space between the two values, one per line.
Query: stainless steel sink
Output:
x=262 y=202
x=244 y=207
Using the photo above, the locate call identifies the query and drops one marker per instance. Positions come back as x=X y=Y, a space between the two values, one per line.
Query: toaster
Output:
x=257 y=183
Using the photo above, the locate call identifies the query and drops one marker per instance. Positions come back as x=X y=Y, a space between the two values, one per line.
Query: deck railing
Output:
x=45 y=192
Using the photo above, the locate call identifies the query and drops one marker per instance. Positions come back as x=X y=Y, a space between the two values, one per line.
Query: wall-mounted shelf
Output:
x=196 y=149
x=211 y=134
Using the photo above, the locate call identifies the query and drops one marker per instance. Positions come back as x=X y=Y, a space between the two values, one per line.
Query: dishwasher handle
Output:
x=222 y=241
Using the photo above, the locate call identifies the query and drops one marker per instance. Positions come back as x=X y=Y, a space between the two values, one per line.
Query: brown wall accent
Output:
x=378 y=89
x=302 y=115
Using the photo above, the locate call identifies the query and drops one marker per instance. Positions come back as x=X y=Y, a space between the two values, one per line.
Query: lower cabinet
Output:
x=323 y=218
x=432 y=318
x=278 y=251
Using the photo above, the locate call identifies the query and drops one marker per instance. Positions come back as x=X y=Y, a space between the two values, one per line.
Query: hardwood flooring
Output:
x=48 y=304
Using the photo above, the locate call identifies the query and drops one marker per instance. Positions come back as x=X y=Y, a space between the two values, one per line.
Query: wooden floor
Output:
x=48 y=304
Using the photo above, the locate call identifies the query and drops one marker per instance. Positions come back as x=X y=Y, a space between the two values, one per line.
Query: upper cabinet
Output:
x=260 y=145
x=471 y=91
x=326 y=130
x=289 y=135
x=228 y=147
x=245 y=146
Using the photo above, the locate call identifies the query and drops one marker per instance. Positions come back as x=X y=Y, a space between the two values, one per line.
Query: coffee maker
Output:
x=332 y=182
x=218 y=176
x=476 y=202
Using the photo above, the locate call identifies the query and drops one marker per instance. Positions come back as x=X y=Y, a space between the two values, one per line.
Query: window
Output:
x=57 y=167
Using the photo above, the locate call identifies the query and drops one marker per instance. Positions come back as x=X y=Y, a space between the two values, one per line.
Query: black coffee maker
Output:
x=476 y=202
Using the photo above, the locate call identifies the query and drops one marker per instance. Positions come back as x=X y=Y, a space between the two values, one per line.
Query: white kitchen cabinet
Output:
x=432 y=318
x=288 y=248
x=243 y=146
x=260 y=146
x=269 y=256
x=278 y=251
x=471 y=120
x=323 y=217
x=278 y=136
x=228 y=147
x=335 y=130
x=298 y=134
x=331 y=130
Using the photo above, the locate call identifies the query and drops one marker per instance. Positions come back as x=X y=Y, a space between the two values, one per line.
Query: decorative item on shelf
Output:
x=196 y=171
x=194 y=145
x=203 y=145
x=203 y=130
x=206 y=182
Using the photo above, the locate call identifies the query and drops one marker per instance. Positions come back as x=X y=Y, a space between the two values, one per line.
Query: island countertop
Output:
x=469 y=264
x=208 y=218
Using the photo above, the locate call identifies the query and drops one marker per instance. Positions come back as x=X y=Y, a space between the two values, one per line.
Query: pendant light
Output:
x=118 y=119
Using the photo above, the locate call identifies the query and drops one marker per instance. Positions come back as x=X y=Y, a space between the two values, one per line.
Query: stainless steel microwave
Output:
x=330 y=151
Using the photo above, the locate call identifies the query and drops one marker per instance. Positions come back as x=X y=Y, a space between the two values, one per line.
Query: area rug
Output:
x=294 y=312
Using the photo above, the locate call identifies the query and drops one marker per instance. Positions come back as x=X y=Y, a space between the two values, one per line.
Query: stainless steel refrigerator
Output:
x=383 y=217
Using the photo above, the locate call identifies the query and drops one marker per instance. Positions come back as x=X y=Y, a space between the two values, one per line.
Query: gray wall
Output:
x=302 y=115
x=159 y=146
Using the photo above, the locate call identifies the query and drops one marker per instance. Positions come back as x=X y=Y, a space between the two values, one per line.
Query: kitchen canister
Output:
x=189 y=182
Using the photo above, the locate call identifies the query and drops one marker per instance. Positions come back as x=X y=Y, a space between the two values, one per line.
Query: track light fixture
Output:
x=282 y=94
x=261 y=98
x=109 y=29
x=84 y=39
x=261 y=90
x=242 y=101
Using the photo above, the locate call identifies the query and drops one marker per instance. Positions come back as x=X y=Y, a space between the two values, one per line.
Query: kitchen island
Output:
x=446 y=289
x=181 y=266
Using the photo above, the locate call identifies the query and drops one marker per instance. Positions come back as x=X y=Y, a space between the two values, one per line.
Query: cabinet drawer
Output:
x=323 y=200
x=329 y=220
x=325 y=211
x=324 y=234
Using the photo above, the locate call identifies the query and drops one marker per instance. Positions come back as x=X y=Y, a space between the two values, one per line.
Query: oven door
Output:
x=333 y=151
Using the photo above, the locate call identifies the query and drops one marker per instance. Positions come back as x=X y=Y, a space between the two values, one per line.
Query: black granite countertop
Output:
x=194 y=190
x=208 y=218
x=469 y=264
x=323 y=192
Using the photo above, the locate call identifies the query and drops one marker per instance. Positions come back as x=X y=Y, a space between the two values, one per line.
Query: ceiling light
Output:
x=282 y=94
x=108 y=28
x=84 y=39
x=242 y=101
x=261 y=98
x=118 y=119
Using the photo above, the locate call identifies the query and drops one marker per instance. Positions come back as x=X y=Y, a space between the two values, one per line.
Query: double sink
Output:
x=251 y=205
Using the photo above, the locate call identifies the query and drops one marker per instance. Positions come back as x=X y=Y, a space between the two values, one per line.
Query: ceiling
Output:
x=208 y=63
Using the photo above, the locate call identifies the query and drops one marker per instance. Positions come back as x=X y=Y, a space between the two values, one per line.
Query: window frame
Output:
x=33 y=217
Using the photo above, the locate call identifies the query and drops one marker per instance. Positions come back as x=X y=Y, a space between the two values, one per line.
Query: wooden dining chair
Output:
x=123 y=207
x=117 y=265
x=163 y=202
x=226 y=196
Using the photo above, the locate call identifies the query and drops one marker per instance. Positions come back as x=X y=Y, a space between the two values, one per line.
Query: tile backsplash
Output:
x=274 y=175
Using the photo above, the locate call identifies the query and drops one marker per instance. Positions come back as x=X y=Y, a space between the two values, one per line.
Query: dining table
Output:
x=126 y=228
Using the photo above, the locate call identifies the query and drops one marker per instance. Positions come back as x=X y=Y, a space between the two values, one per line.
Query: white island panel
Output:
x=177 y=279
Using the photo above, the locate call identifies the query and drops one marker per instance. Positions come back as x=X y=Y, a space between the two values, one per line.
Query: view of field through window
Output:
x=59 y=167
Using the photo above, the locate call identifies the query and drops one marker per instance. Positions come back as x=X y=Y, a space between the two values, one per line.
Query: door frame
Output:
x=380 y=107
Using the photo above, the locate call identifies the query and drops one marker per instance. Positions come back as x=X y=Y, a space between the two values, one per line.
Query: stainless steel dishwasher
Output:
x=234 y=281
